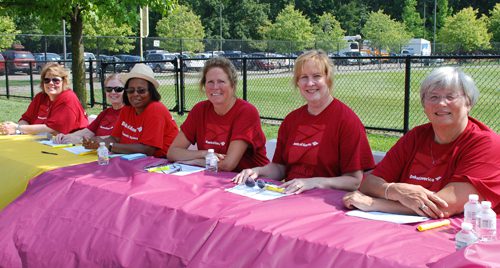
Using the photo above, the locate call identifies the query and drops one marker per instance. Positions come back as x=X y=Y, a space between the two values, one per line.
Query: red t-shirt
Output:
x=155 y=127
x=473 y=157
x=65 y=114
x=105 y=121
x=212 y=131
x=329 y=144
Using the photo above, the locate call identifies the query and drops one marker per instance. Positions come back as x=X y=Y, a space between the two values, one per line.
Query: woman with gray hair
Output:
x=433 y=168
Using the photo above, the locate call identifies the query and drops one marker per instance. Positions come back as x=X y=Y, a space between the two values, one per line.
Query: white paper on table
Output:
x=79 y=150
x=56 y=145
x=255 y=192
x=389 y=217
x=185 y=170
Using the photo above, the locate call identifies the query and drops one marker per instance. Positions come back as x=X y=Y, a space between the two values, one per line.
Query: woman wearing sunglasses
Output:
x=54 y=110
x=145 y=125
x=103 y=125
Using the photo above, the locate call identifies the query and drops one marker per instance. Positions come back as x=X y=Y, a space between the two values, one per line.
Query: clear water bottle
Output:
x=472 y=210
x=102 y=154
x=211 y=161
x=465 y=237
x=487 y=223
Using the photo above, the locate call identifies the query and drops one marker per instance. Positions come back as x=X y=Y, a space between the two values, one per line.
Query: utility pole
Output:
x=434 y=40
x=220 y=25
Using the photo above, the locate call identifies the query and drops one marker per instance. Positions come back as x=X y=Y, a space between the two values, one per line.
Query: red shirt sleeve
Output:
x=31 y=114
x=193 y=120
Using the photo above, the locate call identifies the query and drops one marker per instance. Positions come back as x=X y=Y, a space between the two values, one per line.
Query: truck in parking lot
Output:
x=417 y=47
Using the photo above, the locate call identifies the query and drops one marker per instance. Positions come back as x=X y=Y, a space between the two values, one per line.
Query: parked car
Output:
x=44 y=58
x=191 y=63
x=112 y=63
x=257 y=62
x=160 y=62
x=87 y=58
x=235 y=58
x=128 y=61
x=352 y=60
x=2 y=65
x=19 y=61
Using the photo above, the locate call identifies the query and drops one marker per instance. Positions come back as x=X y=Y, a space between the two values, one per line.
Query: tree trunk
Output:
x=77 y=59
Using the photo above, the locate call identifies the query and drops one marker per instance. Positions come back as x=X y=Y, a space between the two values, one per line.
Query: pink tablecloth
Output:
x=89 y=216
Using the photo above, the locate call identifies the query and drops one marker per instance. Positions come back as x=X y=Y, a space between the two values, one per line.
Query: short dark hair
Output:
x=155 y=95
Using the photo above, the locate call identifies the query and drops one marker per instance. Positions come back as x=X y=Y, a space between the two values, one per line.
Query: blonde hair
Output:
x=57 y=70
x=321 y=59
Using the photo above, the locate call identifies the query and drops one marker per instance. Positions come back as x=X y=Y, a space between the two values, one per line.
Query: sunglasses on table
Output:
x=139 y=91
x=116 y=89
x=55 y=80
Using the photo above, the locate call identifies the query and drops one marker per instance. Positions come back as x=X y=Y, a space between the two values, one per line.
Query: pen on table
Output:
x=274 y=188
x=63 y=145
x=45 y=152
x=432 y=225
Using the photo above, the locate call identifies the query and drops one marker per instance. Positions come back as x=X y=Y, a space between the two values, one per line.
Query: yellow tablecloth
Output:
x=21 y=159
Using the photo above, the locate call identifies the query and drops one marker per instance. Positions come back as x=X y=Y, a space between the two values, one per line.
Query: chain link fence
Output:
x=383 y=91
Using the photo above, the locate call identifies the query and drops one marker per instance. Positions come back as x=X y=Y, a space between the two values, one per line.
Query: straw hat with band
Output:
x=142 y=71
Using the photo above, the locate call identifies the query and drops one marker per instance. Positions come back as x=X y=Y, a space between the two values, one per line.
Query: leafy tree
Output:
x=495 y=23
x=414 y=24
x=464 y=32
x=329 y=35
x=106 y=34
x=352 y=16
x=8 y=31
x=75 y=12
x=290 y=25
x=384 y=32
x=181 y=23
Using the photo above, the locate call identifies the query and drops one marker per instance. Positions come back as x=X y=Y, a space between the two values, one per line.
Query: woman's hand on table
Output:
x=357 y=199
x=90 y=143
x=244 y=175
x=417 y=198
x=8 y=128
x=297 y=186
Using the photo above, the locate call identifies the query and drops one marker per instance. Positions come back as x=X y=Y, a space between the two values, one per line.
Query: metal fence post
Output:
x=91 y=82
x=180 y=89
x=245 y=97
x=406 y=113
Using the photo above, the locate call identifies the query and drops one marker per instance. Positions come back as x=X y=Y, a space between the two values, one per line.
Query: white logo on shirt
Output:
x=139 y=129
x=418 y=178
x=302 y=144
x=129 y=127
x=106 y=128
x=222 y=143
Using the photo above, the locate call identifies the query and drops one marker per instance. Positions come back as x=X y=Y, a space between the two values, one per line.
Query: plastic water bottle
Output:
x=487 y=223
x=211 y=161
x=465 y=237
x=102 y=154
x=471 y=211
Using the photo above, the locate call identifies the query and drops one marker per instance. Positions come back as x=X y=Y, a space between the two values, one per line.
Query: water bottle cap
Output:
x=474 y=197
x=466 y=226
x=102 y=143
x=210 y=150
x=486 y=204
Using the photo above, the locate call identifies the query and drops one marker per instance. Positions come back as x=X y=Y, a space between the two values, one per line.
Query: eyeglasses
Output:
x=448 y=98
x=116 y=89
x=139 y=91
x=55 y=80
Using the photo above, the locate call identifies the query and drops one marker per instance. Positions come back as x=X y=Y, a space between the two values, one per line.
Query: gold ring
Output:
x=422 y=207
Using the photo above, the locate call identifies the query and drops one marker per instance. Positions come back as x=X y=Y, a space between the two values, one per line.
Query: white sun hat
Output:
x=142 y=71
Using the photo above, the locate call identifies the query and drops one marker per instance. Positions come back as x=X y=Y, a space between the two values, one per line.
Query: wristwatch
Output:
x=18 y=130
x=110 y=147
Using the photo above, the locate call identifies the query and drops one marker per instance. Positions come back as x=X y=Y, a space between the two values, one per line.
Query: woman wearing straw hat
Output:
x=145 y=125
x=228 y=125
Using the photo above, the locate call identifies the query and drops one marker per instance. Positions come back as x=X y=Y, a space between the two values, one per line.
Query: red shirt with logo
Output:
x=155 y=127
x=473 y=157
x=105 y=121
x=65 y=114
x=329 y=144
x=212 y=131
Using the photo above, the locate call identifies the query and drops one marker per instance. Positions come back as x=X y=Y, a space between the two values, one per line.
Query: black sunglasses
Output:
x=116 y=89
x=55 y=80
x=139 y=91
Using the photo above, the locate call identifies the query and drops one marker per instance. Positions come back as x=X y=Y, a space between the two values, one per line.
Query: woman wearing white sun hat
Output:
x=145 y=125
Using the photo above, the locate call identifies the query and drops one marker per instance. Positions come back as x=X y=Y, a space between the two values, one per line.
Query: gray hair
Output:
x=450 y=78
